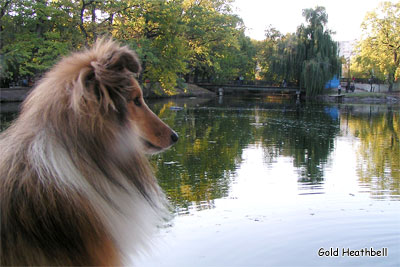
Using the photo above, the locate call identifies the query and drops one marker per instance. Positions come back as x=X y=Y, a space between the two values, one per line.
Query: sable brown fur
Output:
x=75 y=185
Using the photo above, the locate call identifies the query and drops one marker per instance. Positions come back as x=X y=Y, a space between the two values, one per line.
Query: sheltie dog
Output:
x=76 y=187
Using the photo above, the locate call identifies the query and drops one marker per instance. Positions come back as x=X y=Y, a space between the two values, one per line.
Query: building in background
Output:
x=347 y=50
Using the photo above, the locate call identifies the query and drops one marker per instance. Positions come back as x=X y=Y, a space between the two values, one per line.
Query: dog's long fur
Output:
x=76 y=187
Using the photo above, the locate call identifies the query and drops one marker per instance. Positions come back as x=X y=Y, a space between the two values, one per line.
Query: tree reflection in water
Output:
x=378 y=156
x=201 y=166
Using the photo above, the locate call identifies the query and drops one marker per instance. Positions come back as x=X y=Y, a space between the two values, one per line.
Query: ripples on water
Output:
x=261 y=182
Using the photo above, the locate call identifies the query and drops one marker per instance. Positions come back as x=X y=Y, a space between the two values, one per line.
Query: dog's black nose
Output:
x=174 y=137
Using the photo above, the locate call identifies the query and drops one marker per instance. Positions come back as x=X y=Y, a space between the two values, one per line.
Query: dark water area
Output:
x=266 y=181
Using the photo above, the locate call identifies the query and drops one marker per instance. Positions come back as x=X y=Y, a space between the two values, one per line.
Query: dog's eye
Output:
x=137 y=102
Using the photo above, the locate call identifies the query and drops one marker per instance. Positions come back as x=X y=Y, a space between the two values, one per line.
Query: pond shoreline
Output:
x=18 y=94
x=361 y=98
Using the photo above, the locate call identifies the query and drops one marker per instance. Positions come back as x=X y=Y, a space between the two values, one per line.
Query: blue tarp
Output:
x=333 y=112
x=334 y=83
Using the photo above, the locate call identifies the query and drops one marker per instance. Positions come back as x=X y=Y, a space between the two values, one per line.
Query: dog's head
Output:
x=107 y=83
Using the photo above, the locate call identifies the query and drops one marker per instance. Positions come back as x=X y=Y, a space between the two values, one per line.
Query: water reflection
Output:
x=202 y=166
x=304 y=133
x=378 y=154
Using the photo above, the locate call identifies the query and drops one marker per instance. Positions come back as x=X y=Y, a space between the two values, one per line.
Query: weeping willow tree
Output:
x=310 y=57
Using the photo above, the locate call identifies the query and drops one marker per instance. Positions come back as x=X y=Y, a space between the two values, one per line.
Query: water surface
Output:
x=265 y=182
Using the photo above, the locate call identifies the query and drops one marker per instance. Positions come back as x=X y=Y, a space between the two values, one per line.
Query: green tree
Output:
x=172 y=38
x=155 y=30
x=34 y=33
x=214 y=37
x=378 y=52
x=309 y=57
x=266 y=51
x=246 y=58
x=233 y=60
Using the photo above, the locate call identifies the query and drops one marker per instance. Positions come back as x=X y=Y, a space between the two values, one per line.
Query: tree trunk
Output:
x=196 y=75
x=2 y=13
x=94 y=21
x=391 y=81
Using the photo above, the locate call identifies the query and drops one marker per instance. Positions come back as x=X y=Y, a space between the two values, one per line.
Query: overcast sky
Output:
x=344 y=16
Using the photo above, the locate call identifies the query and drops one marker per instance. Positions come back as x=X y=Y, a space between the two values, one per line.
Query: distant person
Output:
x=241 y=79
x=339 y=89
x=370 y=81
x=352 y=87
x=30 y=82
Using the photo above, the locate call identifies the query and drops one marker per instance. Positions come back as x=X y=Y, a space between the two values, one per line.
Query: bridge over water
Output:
x=236 y=88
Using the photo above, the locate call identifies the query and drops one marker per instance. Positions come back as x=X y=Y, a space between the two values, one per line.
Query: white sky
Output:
x=344 y=16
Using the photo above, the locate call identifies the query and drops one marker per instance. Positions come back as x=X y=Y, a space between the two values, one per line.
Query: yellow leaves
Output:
x=197 y=146
x=380 y=45
x=186 y=191
x=165 y=108
x=396 y=126
x=202 y=144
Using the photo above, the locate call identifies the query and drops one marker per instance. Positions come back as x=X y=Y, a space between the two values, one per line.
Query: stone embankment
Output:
x=18 y=94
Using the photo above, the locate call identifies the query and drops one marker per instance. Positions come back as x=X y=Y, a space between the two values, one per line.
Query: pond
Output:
x=268 y=182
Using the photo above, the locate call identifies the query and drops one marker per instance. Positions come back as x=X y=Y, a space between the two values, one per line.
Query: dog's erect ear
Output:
x=109 y=78
x=106 y=80
x=124 y=58
x=111 y=56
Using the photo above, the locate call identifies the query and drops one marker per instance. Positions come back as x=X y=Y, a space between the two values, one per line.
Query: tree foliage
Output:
x=266 y=51
x=174 y=39
x=321 y=61
x=213 y=38
x=309 y=57
x=378 y=52
x=33 y=36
